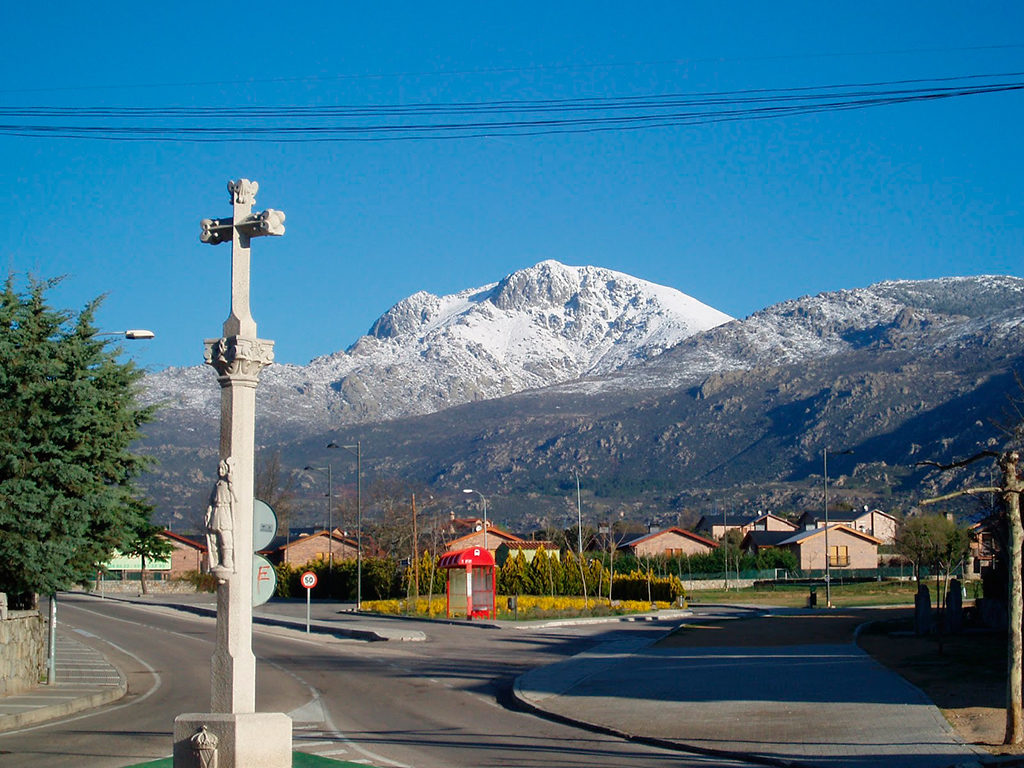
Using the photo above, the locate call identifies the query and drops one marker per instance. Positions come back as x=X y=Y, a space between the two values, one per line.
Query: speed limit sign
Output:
x=308 y=580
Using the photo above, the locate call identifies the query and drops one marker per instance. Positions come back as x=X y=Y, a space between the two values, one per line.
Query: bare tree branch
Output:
x=964 y=492
x=961 y=463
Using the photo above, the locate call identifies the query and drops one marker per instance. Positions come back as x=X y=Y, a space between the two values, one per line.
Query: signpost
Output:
x=308 y=581
x=264 y=524
x=264 y=580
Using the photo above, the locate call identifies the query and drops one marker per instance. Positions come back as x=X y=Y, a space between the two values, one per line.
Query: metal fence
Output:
x=837 y=575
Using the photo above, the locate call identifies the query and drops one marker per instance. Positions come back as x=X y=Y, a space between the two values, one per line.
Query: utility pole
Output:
x=415 y=551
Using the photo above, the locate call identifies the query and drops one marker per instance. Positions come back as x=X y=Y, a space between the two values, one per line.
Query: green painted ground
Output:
x=299 y=760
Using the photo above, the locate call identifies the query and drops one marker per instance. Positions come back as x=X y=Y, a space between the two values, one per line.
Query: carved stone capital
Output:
x=243 y=191
x=239 y=360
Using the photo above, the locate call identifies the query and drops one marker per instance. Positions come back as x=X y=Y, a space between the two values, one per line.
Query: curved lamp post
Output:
x=330 y=514
x=484 y=499
x=51 y=662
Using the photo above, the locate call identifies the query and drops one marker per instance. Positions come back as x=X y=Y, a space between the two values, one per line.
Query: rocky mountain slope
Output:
x=540 y=326
x=739 y=413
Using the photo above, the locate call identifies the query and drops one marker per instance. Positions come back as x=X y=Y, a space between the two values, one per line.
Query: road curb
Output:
x=53 y=711
x=523 y=702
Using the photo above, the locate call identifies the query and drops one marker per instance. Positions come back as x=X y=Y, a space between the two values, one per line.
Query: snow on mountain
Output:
x=814 y=327
x=539 y=326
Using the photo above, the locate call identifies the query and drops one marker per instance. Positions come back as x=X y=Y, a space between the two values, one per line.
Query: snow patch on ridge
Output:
x=539 y=326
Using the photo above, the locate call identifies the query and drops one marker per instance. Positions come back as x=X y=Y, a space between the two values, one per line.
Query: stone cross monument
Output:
x=242 y=738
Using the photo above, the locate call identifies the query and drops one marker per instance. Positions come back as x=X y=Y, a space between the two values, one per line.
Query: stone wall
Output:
x=133 y=587
x=698 y=584
x=22 y=651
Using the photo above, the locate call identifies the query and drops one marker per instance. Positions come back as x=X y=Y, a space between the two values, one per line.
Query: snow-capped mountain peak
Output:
x=542 y=325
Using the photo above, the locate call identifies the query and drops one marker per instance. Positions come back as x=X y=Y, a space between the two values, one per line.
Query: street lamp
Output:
x=579 y=516
x=51 y=661
x=135 y=334
x=330 y=515
x=357 y=451
x=828 y=556
x=484 y=498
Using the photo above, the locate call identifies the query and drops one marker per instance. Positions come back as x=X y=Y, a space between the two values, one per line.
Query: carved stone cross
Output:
x=239 y=229
x=246 y=738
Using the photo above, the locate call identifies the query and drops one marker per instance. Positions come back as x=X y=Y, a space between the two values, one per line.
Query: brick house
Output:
x=848 y=548
x=189 y=554
x=755 y=541
x=716 y=526
x=671 y=541
x=988 y=540
x=495 y=538
x=874 y=522
x=315 y=547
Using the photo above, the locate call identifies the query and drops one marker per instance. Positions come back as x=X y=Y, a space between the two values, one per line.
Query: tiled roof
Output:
x=192 y=541
x=767 y=538
x=678 y=531
x=838 y=527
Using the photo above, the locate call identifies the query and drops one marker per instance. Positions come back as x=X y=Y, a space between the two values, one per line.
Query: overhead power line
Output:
x=459 y=120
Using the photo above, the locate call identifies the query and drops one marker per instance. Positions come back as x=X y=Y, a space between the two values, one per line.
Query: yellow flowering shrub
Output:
x=529 y=607
x=422 y=606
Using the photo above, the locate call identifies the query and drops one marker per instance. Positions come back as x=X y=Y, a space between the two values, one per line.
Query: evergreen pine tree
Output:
x=67 y=424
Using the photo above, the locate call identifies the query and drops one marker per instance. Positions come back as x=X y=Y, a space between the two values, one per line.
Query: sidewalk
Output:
x=786 y=688
x=761 y=688
x=84 y=679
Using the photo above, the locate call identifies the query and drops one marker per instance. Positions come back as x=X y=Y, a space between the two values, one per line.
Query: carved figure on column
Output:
x=220 y=521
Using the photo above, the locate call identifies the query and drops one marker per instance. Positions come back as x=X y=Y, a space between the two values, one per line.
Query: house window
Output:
x=838 y=556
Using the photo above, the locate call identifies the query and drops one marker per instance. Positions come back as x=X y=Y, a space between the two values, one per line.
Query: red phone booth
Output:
x=470 y=582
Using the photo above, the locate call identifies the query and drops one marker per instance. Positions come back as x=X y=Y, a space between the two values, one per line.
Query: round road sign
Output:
x=308 y=579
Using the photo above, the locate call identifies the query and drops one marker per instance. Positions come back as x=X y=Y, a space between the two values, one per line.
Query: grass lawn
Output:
x=795 y=595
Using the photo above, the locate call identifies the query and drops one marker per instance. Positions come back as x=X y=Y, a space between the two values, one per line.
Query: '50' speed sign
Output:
x=308 y=579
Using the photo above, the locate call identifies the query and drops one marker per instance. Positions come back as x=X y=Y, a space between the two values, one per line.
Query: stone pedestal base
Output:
x=252 y=740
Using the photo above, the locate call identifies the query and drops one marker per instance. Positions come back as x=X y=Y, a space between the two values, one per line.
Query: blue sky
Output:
x=739 y=215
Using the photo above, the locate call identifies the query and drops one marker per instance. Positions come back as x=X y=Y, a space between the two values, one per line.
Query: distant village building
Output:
x=315 y=546
x=671 y=541
x=848 y=548
x=875 y=522
x=495 y=538
x=189 y=554
x=716 y=526
x=757 y=541
x=988 y=540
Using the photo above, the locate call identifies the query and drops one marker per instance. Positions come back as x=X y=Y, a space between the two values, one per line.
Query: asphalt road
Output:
x=442 y=702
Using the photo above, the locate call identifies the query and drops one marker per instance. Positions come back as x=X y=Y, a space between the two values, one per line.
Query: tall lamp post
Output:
x=51 y=661
x=484 y=499
x=579 y=516
x=330 y=514
x=828 y=552
x=357 y=451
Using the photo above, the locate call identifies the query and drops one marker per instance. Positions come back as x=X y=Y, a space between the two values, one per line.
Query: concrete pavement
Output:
x=817 y=705
x=824 y=704
x=84 y=680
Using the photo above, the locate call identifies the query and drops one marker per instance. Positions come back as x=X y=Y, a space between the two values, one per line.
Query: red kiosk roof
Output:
x=471 y=557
